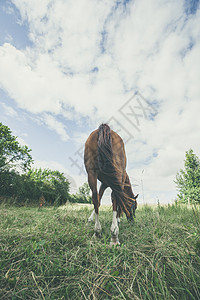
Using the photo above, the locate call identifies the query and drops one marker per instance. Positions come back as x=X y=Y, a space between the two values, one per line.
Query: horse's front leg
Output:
x=114 y=227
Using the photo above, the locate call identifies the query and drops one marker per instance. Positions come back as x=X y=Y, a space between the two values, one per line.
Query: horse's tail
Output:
x=105 y=155
x=109 y=171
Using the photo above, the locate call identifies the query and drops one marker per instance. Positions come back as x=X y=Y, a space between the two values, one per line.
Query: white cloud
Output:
x=8 y=110
x=55 y=125
x=150 y=46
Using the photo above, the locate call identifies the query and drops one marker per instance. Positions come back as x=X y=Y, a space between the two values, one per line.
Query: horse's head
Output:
x=133 y=209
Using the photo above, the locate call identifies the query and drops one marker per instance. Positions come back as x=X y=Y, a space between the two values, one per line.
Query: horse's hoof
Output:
x=97 y=234
x=114 y=243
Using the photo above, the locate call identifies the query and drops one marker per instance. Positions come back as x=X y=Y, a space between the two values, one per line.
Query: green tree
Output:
x=13 y=158
x=52 y=184
x=83 y=194
x=12 y=154
x=188 y=180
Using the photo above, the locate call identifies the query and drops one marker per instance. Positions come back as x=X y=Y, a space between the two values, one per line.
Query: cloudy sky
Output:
x=67 y=66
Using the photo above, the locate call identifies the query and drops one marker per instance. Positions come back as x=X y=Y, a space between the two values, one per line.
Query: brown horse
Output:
x=105 y=160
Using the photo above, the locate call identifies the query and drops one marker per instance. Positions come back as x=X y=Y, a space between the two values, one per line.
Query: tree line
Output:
x=21 y=184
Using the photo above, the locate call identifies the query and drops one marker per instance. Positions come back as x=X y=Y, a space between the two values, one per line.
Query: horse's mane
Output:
x=125 y=199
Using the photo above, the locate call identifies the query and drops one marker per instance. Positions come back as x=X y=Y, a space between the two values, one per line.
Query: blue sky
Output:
x=66 y=67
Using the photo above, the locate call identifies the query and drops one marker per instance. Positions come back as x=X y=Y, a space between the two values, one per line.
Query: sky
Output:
x=68 y=66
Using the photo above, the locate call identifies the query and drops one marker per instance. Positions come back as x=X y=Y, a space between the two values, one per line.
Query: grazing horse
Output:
x=105 y=160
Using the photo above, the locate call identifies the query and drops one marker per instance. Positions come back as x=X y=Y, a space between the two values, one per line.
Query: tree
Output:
x=13 y=158
x=83 y=194
x=12 y=154
x=52 y=184
x=188 y=180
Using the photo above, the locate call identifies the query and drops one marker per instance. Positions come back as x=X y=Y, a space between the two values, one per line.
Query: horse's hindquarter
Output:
x=91 y=156
x=119 y=156
x=91 y=152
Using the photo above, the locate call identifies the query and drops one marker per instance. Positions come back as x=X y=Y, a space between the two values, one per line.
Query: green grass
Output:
x=51 y=254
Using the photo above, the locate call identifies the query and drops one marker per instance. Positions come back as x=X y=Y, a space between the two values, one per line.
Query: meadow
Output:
x=52 y=254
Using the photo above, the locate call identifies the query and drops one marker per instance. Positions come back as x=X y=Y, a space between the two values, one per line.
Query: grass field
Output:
x=51 y=254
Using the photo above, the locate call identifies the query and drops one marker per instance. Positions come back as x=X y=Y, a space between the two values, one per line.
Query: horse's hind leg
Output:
x=114 y=227
x=92 y=180
x=103 y=187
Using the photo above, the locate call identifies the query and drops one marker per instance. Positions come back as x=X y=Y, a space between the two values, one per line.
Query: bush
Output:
x=27 y=188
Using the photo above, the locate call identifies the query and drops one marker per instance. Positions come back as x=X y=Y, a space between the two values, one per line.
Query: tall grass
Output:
x=51 y=254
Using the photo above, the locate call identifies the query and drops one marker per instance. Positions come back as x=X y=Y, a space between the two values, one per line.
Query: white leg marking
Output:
x=114 y=230
x=114 y=227
x=90 y=219
x=97 y=226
